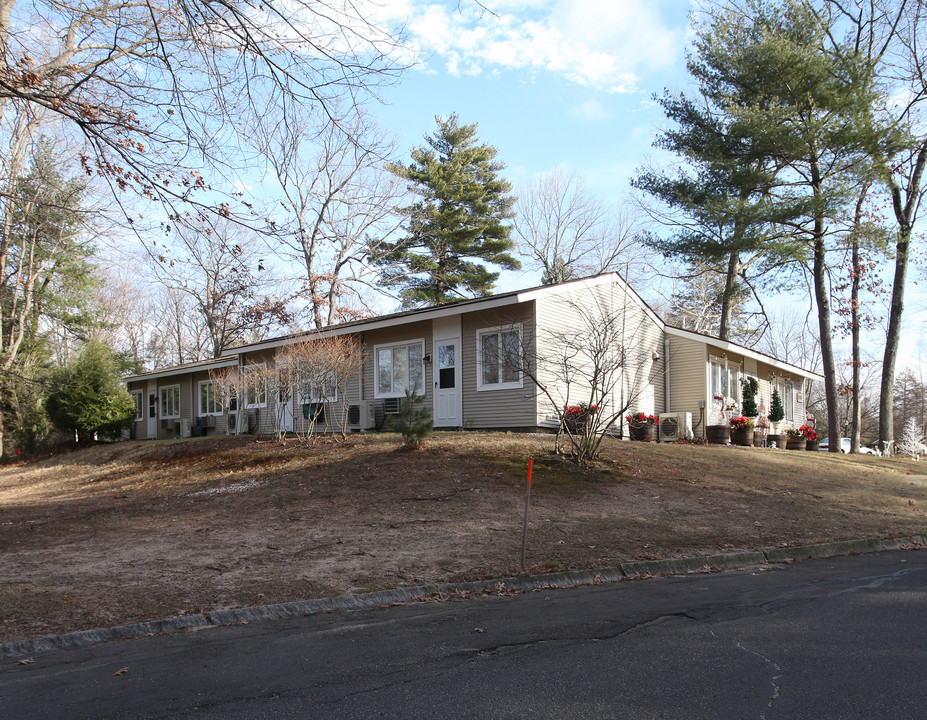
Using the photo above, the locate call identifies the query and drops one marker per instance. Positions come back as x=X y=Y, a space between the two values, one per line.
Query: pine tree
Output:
x=749 y=405
x=776 y=411
x=458 y=220
x=414 y=421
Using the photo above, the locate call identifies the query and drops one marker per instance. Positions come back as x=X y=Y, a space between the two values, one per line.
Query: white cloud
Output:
x=602 y=44
x=588 y=111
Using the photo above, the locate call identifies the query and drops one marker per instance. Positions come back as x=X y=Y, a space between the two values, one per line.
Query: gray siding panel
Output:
x=491 y=408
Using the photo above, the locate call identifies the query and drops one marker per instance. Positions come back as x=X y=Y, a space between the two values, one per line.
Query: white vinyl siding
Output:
x=498 y=358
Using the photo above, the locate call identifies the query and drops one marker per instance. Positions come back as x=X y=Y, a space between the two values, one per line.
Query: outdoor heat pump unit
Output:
x=675 y=426
x=363 y=415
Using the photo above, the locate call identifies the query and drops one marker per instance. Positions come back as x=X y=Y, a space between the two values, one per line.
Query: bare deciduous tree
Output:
x=567 y=232
x=604 y=364
x=218 y=266
x=156 y=87
x=337 y=205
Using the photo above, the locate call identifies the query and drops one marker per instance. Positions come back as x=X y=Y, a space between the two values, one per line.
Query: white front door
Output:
x=152 y=414
x=285 y=411
x=447 y=382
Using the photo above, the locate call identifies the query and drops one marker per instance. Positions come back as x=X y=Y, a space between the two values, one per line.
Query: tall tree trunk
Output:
x=727 y=297
x=855 y=409
x=904 y=208
x=822 y=298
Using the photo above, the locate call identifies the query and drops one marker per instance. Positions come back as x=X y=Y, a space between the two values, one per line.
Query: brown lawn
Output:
x=144 y=530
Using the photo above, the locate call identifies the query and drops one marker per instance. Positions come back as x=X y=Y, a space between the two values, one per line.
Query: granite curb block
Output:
x=380 y=598
x=93 y=637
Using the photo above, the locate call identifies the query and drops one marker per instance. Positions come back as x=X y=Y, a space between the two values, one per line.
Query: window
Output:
x=786 y=391
x=255 y=386
x=725 y=379
x=139 y=407
x=312 y=391
x=498 y=355
x=209 y=403
x=170 y=402
x=399 y=367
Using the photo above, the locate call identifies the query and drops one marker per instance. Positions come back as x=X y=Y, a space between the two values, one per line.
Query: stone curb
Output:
x=380 y=598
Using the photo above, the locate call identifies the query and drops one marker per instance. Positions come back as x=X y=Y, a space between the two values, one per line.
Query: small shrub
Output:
x=413 y=422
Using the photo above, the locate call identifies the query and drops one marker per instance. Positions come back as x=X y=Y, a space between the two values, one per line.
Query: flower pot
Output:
x=780 y=440
x=643 y=432
x=796 y=443
x=718 y=434
x=742 y=436
x=576 y=423
x=811 y=445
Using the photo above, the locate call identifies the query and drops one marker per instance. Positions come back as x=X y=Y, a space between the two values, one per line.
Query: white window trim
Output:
x=161 y=403
x=498 y=330
x=734 y=378
x=788 y=407
x=137 y=396
x=246 y=387
x=376 y=366
x=199 y=398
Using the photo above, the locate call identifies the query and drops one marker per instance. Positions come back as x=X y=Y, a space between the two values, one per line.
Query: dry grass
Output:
x=135 y=531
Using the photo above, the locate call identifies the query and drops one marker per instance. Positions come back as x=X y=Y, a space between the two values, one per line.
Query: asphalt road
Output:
x=838 y=638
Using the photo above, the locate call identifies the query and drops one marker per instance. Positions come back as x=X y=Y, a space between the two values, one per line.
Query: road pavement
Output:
x=838 y=638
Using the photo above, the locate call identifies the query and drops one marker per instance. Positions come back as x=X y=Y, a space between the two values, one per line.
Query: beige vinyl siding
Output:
x=570 y=314
x=766 y=374
x=688 y=377
x=496 y=408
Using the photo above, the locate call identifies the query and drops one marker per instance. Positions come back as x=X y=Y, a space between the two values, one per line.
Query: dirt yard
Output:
x=145 y=530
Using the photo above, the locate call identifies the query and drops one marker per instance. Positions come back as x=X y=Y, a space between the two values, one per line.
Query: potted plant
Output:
x=796 y=439
x=776 y=414
x=576 y=417
x=718 y=433
x=811 y=437
x=742 y=431
x=642 y=426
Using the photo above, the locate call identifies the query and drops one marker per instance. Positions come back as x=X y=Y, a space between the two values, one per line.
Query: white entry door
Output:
x=152 y=414
x=447 y=383
x=285 y=411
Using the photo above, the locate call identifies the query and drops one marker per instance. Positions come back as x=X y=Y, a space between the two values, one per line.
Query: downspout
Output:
x=666 y=375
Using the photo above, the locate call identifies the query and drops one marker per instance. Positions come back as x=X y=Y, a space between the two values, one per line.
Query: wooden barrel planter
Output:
x=796 y=443
x=812 y=445
x=718 y=434
x=742 y=436
x=780 y=440
x=642 y=432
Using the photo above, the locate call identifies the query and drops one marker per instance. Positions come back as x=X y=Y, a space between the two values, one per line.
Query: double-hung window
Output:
x=498 y=358
x=139 y=407
x=399 y=366
x=170 y=402
x=725 y=380
x=209 y=401
x=787 y=394
x=255 y=386
x=319 y=389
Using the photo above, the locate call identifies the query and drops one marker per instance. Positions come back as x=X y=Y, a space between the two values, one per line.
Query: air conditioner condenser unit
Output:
x=363 y=415
x=675 y=426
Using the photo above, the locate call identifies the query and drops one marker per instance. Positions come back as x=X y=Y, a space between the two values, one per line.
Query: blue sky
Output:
x=550 y=82
x=554 y=83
